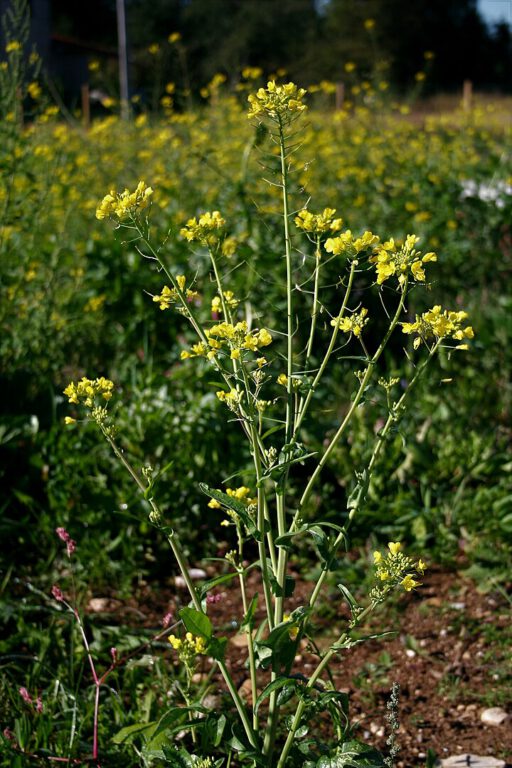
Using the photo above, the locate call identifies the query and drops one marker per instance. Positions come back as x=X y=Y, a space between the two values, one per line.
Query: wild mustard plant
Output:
x=270 y=386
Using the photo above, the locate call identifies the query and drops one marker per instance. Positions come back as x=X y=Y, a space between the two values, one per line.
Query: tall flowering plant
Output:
x=270 y=386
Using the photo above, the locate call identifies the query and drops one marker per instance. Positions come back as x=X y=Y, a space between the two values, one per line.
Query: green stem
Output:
x=157 y=521
x=239 y=705
x=289 y=301
x=314 y=312
x=310 y=684
x=393 y=416
x=250 y=640
x=303 y=406
x=346 y=421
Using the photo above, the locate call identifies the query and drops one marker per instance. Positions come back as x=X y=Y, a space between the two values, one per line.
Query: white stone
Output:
x=493 y=716
x=195 y=574
x=471 y=761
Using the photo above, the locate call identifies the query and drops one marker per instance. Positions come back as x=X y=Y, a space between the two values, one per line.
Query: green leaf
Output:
x=359 y=493
x=176 y=716
x=349 y=597
x=248 y=620
x=196 y=622
x=353 y=754
x=275 y=685
x=235 y=505
x=212 y=583
x=217 y=648
x=128 y=733
x=178 y=758
x=287 y=692
x=356 y=641
x=278 y=591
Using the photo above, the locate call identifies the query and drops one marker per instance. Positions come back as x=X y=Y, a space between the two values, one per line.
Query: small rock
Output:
x=240 y=640
x=471 y=761
x=493 y=716
x=376 y=730
x=196 y=574
x=199 y=677
x=410 y=653
x=102 y=605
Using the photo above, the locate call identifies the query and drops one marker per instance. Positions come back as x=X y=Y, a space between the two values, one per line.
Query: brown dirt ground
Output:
x=450 y=654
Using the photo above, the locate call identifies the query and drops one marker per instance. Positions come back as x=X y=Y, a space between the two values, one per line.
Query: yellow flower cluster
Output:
x=294 y=631
x=440 y=324
x=13 y=46
x=204 y=230
x=350 y=246
x=393 y=259
x=188 y=648
x=318 y=223
x=86 y=390
x=395 y=569
x=229 y=300
x=231 y=398
x=352 y=324
x=235 y=337
x=121 y=205
x=240 y=494
x=252 y=73
x=171 y=296
x=277 y=101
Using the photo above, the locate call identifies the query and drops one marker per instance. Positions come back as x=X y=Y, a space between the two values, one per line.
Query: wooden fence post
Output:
x=467 y=95
x=86 y=106
x=340 y=95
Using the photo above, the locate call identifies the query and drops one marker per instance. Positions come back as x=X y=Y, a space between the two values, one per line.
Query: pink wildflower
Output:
x=166 y=620
x=25 y=695
x=57 y=593
x=62 y=534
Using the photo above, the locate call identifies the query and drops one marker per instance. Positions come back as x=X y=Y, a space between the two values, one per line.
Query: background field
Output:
x=75 y=300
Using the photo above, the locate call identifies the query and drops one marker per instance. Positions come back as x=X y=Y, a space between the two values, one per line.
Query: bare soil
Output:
x=450 y=653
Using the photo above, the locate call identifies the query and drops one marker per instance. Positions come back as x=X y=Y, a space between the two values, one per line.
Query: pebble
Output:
x=493 y=716
x=195 y=574
x=471 y=761
x=240 y=640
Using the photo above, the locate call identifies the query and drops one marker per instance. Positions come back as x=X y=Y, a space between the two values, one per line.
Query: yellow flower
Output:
x=393 y=259
x=350 y=66
x=86 y=390
x=394 y=547
x=318 y=223
x=282 y=379
x=377 y=558
x=264 y=338
x=69 y=420
x=277 y=101
x=440 y=324
x=154 y=49
x=409 y=583
x=353 y=324
x=13 y=46
x=174 y=37
x=34 y=90
x=124 y=204
x=205 y=229
x=369 y=24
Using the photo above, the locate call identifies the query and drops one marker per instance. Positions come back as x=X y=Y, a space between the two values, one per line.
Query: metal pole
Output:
x=123 y=58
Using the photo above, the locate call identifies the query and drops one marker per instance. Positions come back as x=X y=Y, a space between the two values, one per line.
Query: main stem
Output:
x=273 y=708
